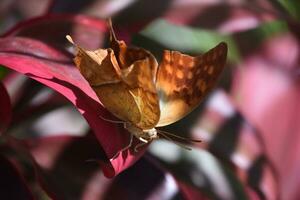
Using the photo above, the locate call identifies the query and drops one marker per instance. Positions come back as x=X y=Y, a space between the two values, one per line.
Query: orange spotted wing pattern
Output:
x=183 y=81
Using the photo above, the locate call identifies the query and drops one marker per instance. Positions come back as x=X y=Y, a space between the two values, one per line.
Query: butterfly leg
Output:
x=112 y=121
x=125 y=148
x=144 y=142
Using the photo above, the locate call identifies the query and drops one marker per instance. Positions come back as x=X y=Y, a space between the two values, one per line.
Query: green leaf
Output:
x=3 y=72
x=161 y=35
x=292 y=7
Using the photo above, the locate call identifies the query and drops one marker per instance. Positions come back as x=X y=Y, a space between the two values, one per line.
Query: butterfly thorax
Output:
x=143 y=135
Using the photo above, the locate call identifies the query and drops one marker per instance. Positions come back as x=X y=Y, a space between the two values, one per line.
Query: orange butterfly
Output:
x=132 y=86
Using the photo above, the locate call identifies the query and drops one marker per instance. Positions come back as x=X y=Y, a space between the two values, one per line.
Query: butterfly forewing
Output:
x=183 y=81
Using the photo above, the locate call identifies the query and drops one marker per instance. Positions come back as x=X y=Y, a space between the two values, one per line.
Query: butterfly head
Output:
x=143 y=135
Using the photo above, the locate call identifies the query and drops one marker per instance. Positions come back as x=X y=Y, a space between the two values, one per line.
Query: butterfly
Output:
x=131 y=84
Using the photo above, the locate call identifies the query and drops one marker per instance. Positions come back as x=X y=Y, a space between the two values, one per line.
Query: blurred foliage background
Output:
x=248 y=124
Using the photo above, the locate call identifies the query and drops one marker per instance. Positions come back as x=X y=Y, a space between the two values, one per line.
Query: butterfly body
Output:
x=144 y=94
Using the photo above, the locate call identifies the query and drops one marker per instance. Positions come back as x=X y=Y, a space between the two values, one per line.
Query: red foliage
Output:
x=50 y=64
x=5 y=111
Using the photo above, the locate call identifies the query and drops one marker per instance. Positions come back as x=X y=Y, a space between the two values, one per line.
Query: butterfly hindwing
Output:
x=117 y=98
x=183 y=81
x=123 y=79
x=134 y=98
x=142 y=88
x=139 y=69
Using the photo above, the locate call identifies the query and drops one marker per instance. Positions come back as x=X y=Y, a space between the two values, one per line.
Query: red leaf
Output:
x=267 y=90
x=5 y=109
x=52 y=29
x=53 y=68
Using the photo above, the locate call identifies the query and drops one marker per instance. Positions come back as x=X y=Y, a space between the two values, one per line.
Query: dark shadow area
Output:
x=246 y=44
x=135 y=183
x=53 y=36
x=212 y=16
x=73 y=167
x=154 y=47
x=70 y=6
x=141 y=11
x=140 y=181
x=256 y=174
x=12 y=185
x=227 y=137
x=52 y=30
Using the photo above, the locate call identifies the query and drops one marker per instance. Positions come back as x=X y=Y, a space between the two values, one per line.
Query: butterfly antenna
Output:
x=179 y=137
x=69 y=38
x=112 y=121
x=111 y=30
x=175 y=142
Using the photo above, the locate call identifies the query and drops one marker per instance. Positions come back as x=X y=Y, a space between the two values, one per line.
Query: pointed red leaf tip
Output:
x=50 y=65
x=5 y=109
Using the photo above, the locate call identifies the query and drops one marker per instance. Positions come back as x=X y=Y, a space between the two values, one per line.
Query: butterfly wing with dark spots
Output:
x=183 y=81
